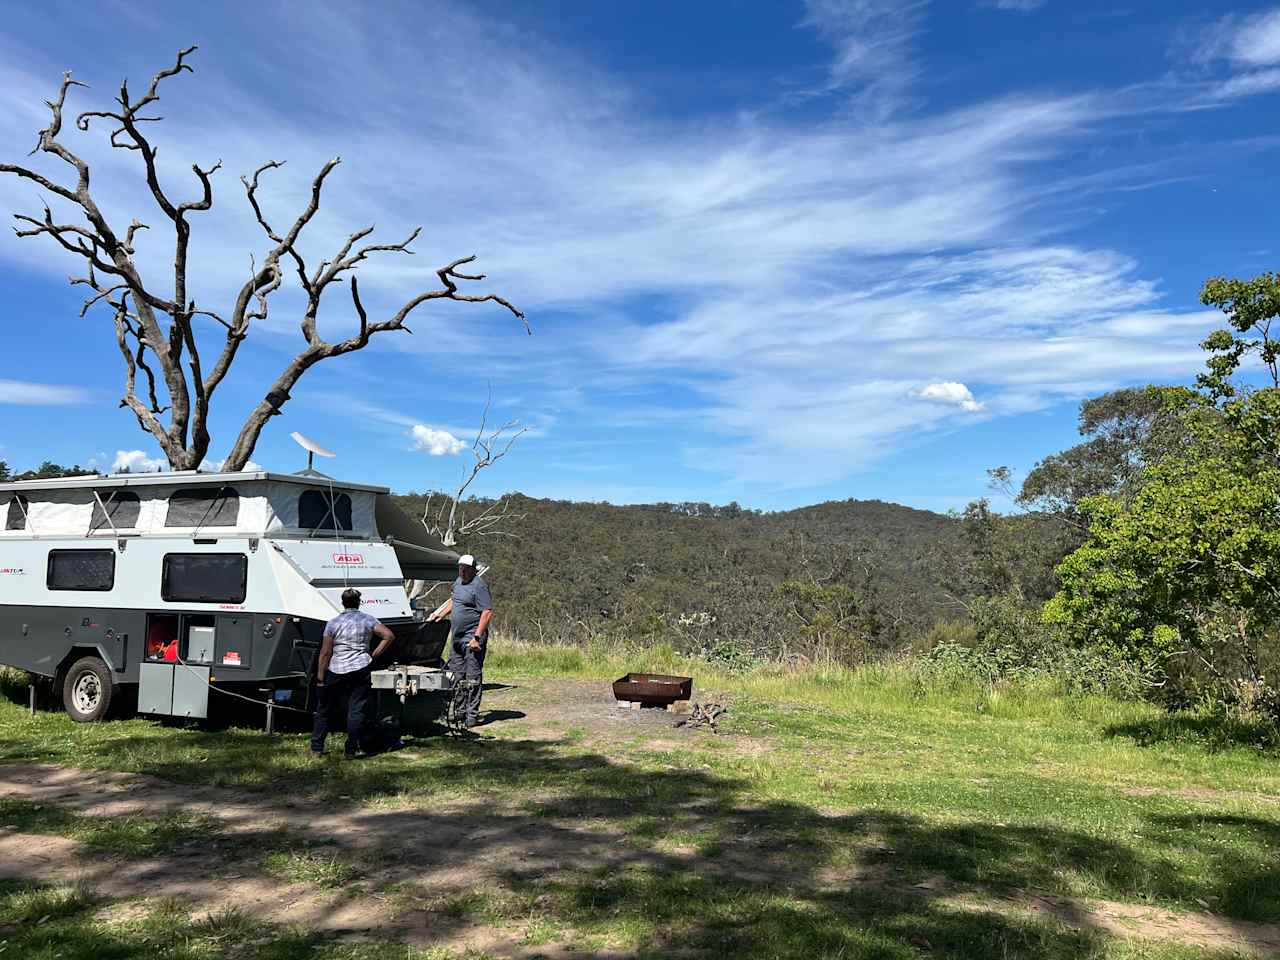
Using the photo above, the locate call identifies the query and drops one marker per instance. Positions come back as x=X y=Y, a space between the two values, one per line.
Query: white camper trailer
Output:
x=184 y=582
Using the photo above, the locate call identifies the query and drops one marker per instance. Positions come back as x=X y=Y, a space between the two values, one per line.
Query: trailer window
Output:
x=204 y=577
x=81 y=569
x=121 y=513
x=203 y=507
x=316 y=513
x=16 y=518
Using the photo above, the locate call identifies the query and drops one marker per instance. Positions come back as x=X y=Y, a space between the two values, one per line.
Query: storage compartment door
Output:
x=191 y=692
x=233 y=647
x=155 y=688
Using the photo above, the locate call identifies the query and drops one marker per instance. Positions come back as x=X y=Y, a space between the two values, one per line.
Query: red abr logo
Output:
x=349 y=559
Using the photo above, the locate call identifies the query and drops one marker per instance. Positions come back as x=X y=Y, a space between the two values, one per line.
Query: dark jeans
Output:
x=352 y=689
x=468 y=663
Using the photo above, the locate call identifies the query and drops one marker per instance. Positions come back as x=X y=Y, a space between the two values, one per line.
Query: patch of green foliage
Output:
x=1183 y=579
x=46 y=471
x=309 y=866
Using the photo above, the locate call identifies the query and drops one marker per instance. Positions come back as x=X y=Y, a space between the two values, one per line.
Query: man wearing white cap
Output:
x=469 y=609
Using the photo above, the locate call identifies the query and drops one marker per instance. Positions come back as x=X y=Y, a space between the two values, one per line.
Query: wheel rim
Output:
x=87 y=692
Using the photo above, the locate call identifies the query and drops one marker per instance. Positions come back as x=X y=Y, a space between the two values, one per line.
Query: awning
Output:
x=421 y=556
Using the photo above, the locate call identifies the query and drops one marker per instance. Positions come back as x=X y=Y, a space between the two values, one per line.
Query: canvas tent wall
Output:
x=246 y=504
x=254 y=504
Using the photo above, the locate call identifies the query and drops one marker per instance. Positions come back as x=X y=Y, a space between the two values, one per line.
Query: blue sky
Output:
x=774 y=253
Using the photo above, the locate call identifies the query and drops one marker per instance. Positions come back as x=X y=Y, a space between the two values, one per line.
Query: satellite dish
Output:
x=312 y=448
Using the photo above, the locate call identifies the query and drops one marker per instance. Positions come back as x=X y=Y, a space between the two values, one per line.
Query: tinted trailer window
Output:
x=81 y=569
x=204 y=577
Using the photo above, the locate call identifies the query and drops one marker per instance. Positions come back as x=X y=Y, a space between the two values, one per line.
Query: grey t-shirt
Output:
x=351 y=631
x=469 y=599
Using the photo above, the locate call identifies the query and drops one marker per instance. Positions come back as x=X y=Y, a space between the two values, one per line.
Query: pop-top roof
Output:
x=182 y=478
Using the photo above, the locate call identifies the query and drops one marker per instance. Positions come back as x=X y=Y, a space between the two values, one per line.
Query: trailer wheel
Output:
x=87 y=690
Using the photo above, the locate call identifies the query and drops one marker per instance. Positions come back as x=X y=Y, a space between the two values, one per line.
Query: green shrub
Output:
x=1007 y=641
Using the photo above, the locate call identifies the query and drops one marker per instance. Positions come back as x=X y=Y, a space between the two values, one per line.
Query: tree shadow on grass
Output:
x=1244 y=876
x=1211 y=732
x=595 y=846
x=38 y=920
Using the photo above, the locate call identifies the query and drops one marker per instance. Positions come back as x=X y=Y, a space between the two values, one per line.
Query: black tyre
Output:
x=87 y=690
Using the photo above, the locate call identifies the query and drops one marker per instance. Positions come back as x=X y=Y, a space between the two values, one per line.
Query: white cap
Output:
x=466 y=560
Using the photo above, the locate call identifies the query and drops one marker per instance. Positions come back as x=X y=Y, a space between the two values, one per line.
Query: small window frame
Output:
x=168 y=595
x=79 y=588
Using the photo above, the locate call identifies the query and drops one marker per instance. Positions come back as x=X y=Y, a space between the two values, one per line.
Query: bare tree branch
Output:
x=364 y=317
x=146 y=415
x=486 y=450
x=128 y=118
x=155 y=332
x=99 y=296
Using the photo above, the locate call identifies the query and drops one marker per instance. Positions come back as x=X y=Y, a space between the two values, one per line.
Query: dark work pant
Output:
x=351 y=690
x=464 y=662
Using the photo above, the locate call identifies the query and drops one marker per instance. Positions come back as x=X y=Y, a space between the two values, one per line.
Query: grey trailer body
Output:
x=231 y=575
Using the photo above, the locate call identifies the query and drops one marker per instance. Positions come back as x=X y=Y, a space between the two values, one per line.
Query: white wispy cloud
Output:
x=437 y=443
x=1248 y=84
x=25 y=393
x=1252 y=40
x=813 y=271
x=1245 y=47
x=872 y=44
x=1022 y=6
x=824 y=378
x=951 y=393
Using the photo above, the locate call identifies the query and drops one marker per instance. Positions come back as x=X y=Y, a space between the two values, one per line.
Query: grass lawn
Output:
x=839 y=814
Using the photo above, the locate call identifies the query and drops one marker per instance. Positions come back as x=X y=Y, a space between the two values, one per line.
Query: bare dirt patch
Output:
x=587 y=705
x=1202 y=930
x=548 y=709
x=1204 y=795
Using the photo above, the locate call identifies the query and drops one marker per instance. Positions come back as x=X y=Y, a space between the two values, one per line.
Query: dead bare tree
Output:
x=161 y=326
x=448 y=521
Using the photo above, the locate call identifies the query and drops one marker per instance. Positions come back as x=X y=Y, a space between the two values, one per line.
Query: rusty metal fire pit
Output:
x=652 y=689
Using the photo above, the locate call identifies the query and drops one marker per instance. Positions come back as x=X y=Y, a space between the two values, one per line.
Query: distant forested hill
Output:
x=703 y=576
